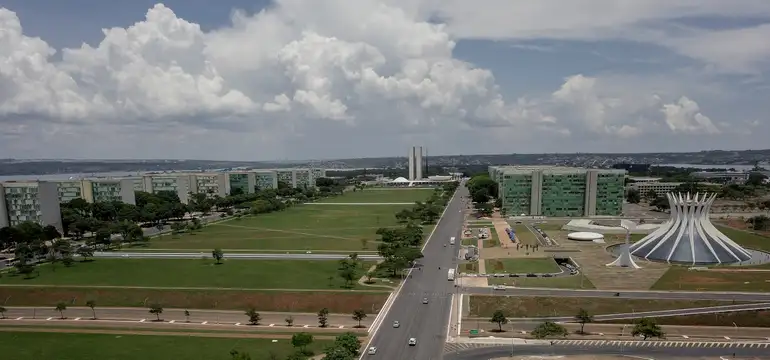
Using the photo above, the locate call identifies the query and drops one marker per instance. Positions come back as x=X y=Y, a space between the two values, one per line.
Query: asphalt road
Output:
x=425 y=322
x=238 y=255
x=652 y=295
x=177 y=315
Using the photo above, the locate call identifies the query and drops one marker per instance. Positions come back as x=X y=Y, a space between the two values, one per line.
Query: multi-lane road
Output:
x=643 y=352
x=427 y=323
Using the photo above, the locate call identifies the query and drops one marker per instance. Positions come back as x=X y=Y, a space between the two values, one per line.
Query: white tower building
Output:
x=688 y=236
x=415 y=163
x=625 y=259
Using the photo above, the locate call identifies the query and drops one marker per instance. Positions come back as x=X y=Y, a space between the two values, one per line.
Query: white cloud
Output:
x=355 y=67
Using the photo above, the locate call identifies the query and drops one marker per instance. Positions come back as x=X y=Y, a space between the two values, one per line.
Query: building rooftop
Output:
x=513 y=169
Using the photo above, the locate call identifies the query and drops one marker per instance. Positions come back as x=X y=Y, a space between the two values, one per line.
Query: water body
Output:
x=73 y=176
x=742 y=168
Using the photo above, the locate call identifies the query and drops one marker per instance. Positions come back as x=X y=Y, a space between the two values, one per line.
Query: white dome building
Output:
x=688 y=236
x=585 y=236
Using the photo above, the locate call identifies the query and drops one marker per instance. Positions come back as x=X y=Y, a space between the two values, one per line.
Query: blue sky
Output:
x=336 y=78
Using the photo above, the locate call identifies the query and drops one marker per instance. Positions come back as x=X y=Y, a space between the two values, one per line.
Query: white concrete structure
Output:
x=688 y=236
x=625 y=259
x=415 y=163
x=585 y=236
x=588 y=225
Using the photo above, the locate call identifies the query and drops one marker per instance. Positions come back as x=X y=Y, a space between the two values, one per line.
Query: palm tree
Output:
x=92 y=305
x=60 y=307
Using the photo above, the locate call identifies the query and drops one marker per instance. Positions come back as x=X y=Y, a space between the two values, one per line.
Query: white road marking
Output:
x=204 y=323
x=727 y=338
x=271 y=325
x=76 y=319
x=172 y=321
x=49 y=318
x=19 y=318
x=237 y=324
x=685 y=336
x=341 y=326
x=143 y=320
x=306 y=326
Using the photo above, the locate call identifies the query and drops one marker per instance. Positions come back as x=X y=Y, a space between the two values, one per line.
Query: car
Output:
x=498 y=287
x=412 y=341
x=424 y=300
x=372 y=350
x=396 y=324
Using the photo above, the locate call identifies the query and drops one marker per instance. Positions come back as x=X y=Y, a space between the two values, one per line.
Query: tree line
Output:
x=400 y=247
x=644 y=327
x=483 y=189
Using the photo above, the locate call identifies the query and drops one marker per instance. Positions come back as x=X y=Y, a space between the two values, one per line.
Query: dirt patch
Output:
x=757 y=318
x=297 y=301
x=156 y=333
x=517 y=306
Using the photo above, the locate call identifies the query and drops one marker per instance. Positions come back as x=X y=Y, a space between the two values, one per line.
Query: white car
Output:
x=396 y=324
x=372 y=350
x=412 y=341
x=424 y=300
x=498 y=287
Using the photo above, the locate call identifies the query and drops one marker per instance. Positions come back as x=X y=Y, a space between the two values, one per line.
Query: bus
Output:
x=451 y=275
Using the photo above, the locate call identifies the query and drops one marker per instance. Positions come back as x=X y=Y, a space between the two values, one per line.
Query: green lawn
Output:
x=680 y=278
x=492 y=241
x=525 y=236
x=382 y=196
x=69 y=346
x=746 y=238
x=561 y=282
x=306 y=227
x=251 y=274
x=521 y=266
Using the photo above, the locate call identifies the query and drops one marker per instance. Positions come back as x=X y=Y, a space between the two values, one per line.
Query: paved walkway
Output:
x=500 y=226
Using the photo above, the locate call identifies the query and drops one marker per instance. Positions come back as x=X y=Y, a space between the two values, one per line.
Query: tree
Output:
x=289 y=321
x=61 y=307
x=651 y=195
x=647 y=328
x=348 y=271
x=549 y=328
x=498 y=317
x=2 y=312
x=583 y=318
x=301 y=341
x=187 y=316
x=480 y=196
x=156 y=309
x=633 y=196
x=92 y=305
x=254 y=316
x=323 y=318
x=338 y=353
x=85 y=252
x=349 y=342
x=218 y=255
x=661 y=203
x=759 y=223
x=237 y=355
x=359 y=315
x=50 y=233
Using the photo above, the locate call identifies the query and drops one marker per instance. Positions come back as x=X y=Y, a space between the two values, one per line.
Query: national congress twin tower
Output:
x=559 y=191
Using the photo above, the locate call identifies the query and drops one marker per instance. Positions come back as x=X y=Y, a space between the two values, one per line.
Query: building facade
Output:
x=559 y=191
x=69 y=190
x=105 y=190
x=266 y=179
x=36 y=201
x=211 y=184
x=181 y=184
x=415 y=163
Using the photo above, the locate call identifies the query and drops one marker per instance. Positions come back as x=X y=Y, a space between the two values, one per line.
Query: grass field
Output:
x=679 y=278
x=521 y=266
x=522 y=306
x=307 y=227
x=492 y=241
x=382 y=196
x=251 y=274
x=469 y=267
x=68 y=346
x=287 y=301
x=561 y=282
x=747 y=239
x=525 y=236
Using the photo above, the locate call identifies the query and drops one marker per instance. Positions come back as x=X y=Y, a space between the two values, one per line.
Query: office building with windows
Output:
x=266 y=179
x=559 y=191
x=211 y=184
x=181 y=184
x=415 y=163
x=105 y=190
x=36 y=201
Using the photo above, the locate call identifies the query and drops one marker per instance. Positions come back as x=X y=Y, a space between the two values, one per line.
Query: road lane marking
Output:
x=172 y=321
x=341 y=326
x=271 y=325
x=685 y=336
x=19 y=318
x=49 y=319
x=727 y=338
x=306 y=326
x=76 y=319
x=237 y=324
x=204 y=323
x=143 y=320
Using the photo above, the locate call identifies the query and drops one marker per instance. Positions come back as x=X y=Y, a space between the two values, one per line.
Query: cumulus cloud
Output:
x=291 y=70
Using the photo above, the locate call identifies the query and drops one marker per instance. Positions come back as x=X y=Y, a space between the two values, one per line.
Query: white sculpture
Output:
x=688 y=236
x=625 y=259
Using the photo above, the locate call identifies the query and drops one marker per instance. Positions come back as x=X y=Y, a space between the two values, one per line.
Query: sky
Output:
x=324 y=79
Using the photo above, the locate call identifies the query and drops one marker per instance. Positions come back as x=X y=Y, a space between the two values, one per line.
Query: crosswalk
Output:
x=663 y=343
x=457 y=347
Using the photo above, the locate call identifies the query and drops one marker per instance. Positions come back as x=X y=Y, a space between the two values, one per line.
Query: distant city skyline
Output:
x=289 y=79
